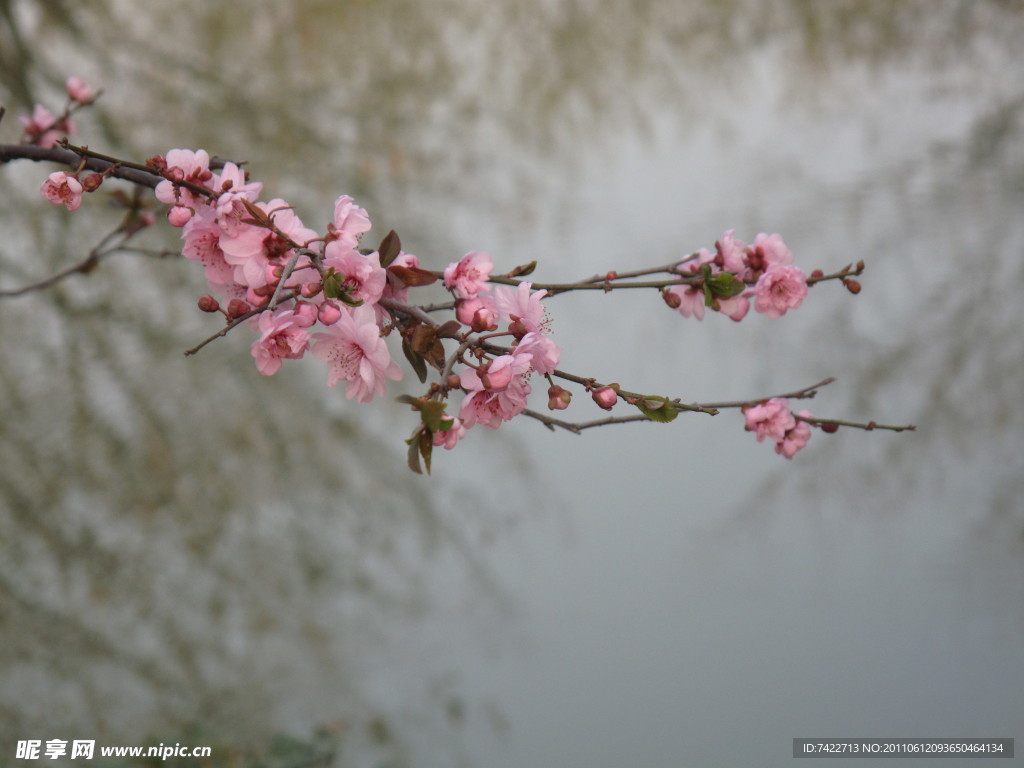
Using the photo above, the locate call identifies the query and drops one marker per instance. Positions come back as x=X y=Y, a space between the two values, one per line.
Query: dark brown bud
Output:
x=208 y=304
x=91 y=182
x=671 y=299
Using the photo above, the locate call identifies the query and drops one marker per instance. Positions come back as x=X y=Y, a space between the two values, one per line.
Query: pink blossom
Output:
x=498 y=374
x=362 y=274
x=62 y=189
x=184 y=165
x=795 y=437
x=468 y=276
x=395 y=288
x=490 y=410
x=543 y=352
x=251 y=248
x=281 y=337
x=779 y=289
x=43 y=129
x=449 y=437
x=521 y=304
x=233 y=190
x=729 y=254
x=772 y=419
x=355 y=352
x=691 y=300
x=735 y=307
x=179 y=215
x=78 y=90
x=764 y=253
x=478 y=313
x=350 y=222
x=202 y=243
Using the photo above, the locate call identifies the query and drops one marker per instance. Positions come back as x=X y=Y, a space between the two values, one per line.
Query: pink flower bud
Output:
x=453 y=381
x=672 y=299
x=605 y=397
x=330 y=313
x=309 y=290
x=237 y=308
x=272 y=273
x=558 y=398
x=208 y=304
x=484 y=320
x=179 y=215
x=92 y=181
x=306 y=314
x=78 y=90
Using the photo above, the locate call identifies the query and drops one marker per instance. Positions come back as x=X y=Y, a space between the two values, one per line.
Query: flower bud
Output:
x=237 y=308
x=208 y=304
x=306 y=314
x=484 y=320
x=558 y=398
x=817 y=274
x=330 y=313
x=606 y=397
x=829 y=427
x=91 y=182
x=671 y=298
x=453 y=381
x=179 y=215
x=517 y=328
x=852 y=285
x=309 y=290
x=78 y=90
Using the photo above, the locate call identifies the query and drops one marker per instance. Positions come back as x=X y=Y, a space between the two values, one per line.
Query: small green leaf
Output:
x=332 y=286
x=346 y=297
x=426 y=447
x=432 y=411
x=414 y=454
x=725 y=285
x=658 y=409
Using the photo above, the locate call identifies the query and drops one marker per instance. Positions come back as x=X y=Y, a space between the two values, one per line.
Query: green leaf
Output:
x=414 y=454
x=658 y=409
x=431 y=412
x=725 y=285
x=426 y=447
x=332 y=286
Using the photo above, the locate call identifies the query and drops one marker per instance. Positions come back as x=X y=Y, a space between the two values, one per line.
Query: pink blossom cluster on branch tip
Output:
x=301 y=292
x=774 y=419
x=734 y=274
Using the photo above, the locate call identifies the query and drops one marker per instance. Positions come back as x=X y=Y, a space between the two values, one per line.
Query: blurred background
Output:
x=195 y=553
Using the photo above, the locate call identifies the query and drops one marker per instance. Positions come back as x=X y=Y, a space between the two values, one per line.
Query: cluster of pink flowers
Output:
x=774 y=419
x=43 y=128
x=762 y=271
x=497 y=388
x=251 y=250
x=301 y=291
